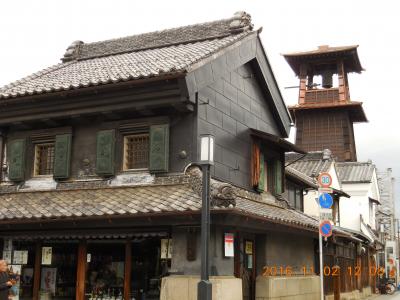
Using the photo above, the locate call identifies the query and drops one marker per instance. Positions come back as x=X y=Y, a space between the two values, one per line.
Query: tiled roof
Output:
x=311 y=182
x=147 y=55
x=138 y=200
x=276 y=213
x=355 y=171
x=324 y=49
x=310 y=164
x=98 y=202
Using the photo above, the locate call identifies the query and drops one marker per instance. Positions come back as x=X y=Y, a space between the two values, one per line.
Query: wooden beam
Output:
x=128 y=269
x=81 y=271
x=36 y=271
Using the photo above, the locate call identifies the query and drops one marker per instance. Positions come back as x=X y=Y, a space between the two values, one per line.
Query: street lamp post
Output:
x=204 y=288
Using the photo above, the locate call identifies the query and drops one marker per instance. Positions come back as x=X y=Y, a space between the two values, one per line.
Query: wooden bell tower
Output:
x=324 y=115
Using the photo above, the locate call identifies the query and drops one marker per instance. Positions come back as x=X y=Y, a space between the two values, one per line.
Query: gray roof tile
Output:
x=355 y=171
x=153 y=54
x=130 y=201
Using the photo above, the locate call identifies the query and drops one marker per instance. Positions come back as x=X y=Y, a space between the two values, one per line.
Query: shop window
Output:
x=58 y=270
x=44 y=159
x=21 y=259
x=136 y=151
x=105 y=270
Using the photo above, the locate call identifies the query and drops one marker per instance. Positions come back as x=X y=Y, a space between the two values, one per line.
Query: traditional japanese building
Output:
x=100 y=195
x=325 y=113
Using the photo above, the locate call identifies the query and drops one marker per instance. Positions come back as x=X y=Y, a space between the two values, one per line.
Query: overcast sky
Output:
x=35 y=34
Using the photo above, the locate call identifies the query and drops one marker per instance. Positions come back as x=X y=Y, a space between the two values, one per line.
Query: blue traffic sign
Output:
x=325 y=200
x=325 y=228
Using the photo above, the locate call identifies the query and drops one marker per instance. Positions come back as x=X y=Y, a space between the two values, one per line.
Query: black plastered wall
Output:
x=228 y=108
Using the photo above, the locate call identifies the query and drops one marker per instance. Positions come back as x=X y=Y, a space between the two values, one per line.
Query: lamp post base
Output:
x=204 y=290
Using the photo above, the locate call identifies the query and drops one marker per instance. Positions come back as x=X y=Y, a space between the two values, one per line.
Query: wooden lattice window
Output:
x=44 y=159
x=136 y=151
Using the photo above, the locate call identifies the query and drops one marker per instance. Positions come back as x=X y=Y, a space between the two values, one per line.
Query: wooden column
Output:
x=81 y=271
x=342 y=82
x=36 y=276
x=128 y=270
x=303 y=83
x=336 y=284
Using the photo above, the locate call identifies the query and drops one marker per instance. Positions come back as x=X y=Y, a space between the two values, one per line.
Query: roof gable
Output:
x=155 y=54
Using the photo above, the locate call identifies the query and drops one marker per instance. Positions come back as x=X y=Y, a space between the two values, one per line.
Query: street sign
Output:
x=324 y=180
x=325 y=190
x=325 y=228
x=326 y=214
x=325 y=200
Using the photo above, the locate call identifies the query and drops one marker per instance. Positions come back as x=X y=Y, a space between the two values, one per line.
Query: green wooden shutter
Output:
x=278 y=176
x=105 y=152
x=159 y=148
x=62 y=156
x=261 y=182
x=16 y=159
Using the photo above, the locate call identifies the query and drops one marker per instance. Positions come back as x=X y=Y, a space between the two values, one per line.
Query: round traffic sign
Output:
x=325 y=228
x=325 y=180
x=325 y=200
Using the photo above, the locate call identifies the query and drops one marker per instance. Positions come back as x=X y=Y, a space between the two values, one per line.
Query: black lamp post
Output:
x=204 y=288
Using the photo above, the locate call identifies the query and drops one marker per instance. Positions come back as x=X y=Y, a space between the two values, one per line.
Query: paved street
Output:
x=396 y=296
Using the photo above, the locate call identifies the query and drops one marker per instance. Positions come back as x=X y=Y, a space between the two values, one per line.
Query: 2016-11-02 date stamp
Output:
x=327 y=270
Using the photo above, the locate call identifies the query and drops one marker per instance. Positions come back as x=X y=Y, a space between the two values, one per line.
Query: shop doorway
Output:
x=148 y=267
x=58 y=270
x=245 y=264
x=105 y=270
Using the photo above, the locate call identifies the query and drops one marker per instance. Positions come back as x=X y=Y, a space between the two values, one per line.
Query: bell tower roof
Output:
x=323 y=56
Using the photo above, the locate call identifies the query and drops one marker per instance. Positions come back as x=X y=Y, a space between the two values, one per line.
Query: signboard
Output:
x=166 y=249
x=325 y=190
x=20 y=257
x=229 y=239
x=48 y=280
x=47 y=253
x=249 y=247
x=7 y=256
x=326 y=214
x=325 y=200
x=325 y=228
x=325 y=180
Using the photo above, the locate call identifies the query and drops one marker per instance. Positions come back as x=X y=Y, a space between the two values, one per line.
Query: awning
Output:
x=276 y=141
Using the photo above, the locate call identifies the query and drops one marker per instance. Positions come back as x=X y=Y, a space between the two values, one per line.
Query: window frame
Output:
x=36 y=158
x=124 y=151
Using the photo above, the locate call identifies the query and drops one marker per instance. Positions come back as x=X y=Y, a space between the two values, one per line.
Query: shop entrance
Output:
x=245 y=267
x=147 y=269
x=58 y=270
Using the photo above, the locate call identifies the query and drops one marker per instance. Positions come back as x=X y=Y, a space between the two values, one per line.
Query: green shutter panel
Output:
x=16 y=159
x=62 y=156
x=261 y=182
x=278 y=177
x=105 y=152
x=159 y=148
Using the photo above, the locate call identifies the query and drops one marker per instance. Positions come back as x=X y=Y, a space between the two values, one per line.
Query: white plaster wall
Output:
x=358 y=204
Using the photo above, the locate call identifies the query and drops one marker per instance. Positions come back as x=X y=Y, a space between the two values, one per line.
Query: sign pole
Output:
x=325 y=228
x=321 y=262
